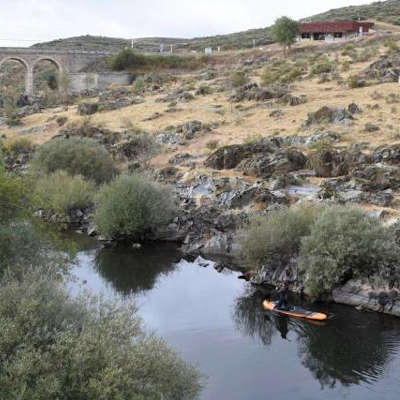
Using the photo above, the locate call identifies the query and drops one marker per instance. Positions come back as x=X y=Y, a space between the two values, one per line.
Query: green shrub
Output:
x=355 y=81
x=276 y=238
x=60 y=192
x=56 y=346
x=128 y=59
x=391 y=45
x=132 y=206
x=2 y=165
x=20 y=146
x=77 y=156
x=20 y=243
x=239 y=78
x=349 y=50
x=61 y=120
x=139 y=84
x=281 y=73
x=13 y=196
x=345 y=243
x=212 y=144
x=323 y=68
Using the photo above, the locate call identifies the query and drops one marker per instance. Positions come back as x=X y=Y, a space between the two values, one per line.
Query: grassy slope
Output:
x=386 y=11
x=227 y=42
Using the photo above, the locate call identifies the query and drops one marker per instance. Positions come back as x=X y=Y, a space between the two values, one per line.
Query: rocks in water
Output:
x=329 y=115
x=364 y=295
x=88 y=108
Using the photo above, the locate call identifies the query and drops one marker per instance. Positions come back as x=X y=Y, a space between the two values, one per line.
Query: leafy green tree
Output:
x=285 y=31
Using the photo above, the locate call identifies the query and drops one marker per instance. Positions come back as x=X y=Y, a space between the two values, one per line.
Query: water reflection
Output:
x=134 y=271
x=349 y=349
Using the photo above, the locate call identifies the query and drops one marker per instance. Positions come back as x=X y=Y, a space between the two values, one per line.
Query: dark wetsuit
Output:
x=283 y=298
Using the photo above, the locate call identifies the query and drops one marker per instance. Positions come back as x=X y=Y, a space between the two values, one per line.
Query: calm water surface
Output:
x=215 y=322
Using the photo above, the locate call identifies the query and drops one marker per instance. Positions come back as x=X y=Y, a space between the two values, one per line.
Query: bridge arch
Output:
x=28 y=71
x=51 y=59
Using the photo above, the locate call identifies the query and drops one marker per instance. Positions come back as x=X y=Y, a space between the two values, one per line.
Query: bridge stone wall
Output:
x=67 y=62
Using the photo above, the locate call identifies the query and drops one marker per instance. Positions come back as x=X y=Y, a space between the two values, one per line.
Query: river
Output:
x=215 y=321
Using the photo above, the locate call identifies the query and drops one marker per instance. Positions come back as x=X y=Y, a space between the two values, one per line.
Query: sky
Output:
x=24 y=22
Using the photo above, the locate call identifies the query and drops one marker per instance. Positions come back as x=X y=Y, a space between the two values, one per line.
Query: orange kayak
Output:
x=297 y=312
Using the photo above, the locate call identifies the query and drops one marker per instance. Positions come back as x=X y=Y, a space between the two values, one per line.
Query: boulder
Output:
x=329 y=162
x=88 y=108
x=329 y=115
x=385 y=69
x=229 y=157
x=388 y=154
x=267 y=165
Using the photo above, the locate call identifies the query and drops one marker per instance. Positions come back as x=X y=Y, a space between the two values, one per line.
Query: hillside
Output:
x=385 y=11
x=233 y=41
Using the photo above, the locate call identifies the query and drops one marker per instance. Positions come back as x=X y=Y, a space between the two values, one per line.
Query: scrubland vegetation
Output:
x=132 y=206
x=77 y=156
x=330 y=244
x=54 y=345
x=129 y=60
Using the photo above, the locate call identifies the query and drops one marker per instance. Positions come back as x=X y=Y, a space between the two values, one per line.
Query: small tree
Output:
x=285 y=32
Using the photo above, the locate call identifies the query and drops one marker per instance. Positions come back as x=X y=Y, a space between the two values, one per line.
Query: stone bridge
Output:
x=67 y=62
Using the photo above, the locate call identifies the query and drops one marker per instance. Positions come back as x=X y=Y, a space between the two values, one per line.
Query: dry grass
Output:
x=235 y=125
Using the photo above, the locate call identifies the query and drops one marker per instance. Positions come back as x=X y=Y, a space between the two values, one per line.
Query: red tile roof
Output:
x=335 y=26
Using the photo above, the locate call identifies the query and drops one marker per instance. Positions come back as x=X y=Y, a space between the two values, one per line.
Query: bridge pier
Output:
x=29 y=82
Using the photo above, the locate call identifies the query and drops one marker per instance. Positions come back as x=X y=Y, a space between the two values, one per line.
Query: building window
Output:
x=306 y=35
x=338 y=35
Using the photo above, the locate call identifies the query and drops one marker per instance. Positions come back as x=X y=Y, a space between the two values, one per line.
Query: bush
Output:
x=13 y=196
x=61 y=192
x=345 y=243
x=20 y=243
x=391 y=45
x=20 y=146
x=282 y=73
x=77 y=156
x=323 y=68
x=239 y=78
x=55 y=346
x=354 y=81
x=128 y=59
x=132 y=206
x=212 y=144
x=276 y=238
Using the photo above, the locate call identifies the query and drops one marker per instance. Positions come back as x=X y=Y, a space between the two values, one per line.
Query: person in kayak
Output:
x=283 y=303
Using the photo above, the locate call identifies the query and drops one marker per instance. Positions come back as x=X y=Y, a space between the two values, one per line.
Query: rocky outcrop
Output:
x=329 y=115
x=386 y=69
x=365 y=296
x=88 y=108
x=267 y=165
x=253 y=92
